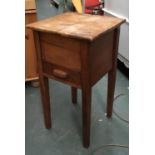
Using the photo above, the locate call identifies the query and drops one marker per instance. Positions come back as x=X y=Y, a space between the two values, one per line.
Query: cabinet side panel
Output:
x=101 y=56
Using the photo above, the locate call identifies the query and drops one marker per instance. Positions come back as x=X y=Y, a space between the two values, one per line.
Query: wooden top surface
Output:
x=76 y=25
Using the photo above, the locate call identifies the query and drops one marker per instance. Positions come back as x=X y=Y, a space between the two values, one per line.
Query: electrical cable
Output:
x=117 y=113
x=109 y=145
x=113 y=145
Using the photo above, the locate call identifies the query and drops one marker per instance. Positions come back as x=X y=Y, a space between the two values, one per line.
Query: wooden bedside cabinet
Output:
x=77 y=50
x=31 y=72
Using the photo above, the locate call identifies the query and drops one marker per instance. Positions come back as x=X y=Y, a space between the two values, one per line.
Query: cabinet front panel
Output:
x=61 y=51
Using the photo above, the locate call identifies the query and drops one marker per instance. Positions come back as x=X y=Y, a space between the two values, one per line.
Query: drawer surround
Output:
x=73 y=77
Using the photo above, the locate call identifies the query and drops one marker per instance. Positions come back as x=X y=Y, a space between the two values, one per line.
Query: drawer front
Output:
x=62 y=74
x=61 y=51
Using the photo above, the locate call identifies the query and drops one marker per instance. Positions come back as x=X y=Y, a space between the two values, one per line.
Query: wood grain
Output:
x=101 y=56
x=57 y=40
x=57 y=55
x=74 y=25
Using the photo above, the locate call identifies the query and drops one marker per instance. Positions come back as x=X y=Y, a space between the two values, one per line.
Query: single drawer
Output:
x=62 y=74
x=60 y=51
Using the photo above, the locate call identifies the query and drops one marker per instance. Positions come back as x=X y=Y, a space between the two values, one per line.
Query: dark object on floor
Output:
x=123 y=68
x=35 y=83
x=55 y=3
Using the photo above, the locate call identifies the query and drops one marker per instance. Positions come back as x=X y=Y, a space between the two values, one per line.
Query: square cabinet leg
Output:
x=86 y=116
x=111 y=90
x=44 y=87
x=112 y=75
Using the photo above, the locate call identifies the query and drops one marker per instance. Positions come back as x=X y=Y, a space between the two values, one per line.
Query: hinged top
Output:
x=74 y=25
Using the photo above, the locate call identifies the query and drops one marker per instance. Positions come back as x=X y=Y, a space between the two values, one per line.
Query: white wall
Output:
x=121 y=8
x=118 y=6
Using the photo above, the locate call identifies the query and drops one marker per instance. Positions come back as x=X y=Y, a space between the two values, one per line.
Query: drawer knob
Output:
x=59 y=73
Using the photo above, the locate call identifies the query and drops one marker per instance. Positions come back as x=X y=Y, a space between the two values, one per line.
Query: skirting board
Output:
x=124 y=60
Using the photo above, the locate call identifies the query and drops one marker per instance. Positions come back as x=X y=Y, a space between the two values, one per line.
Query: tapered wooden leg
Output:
x=86 y=115
x=74 y=95
x=111 y=90
x=112 y=74
x=45 y=101
x=43 y=83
